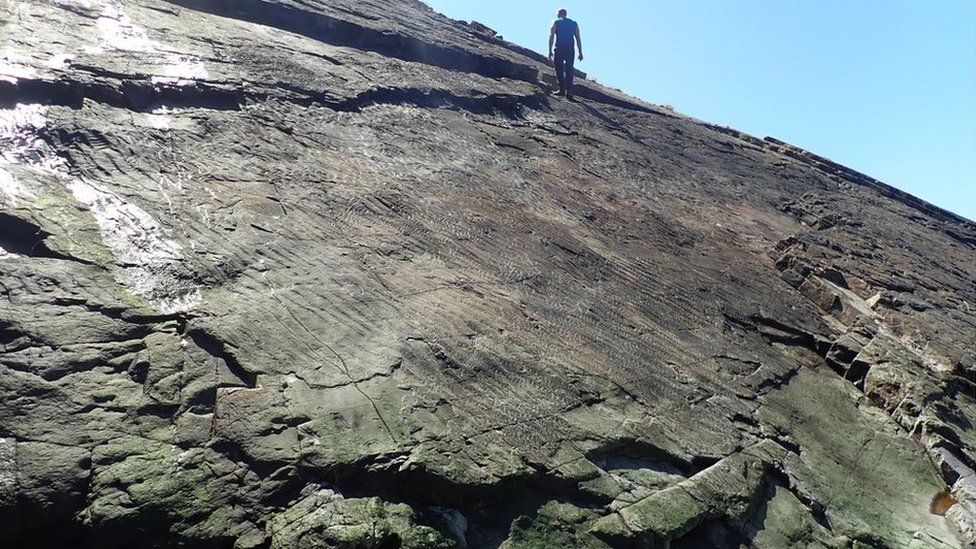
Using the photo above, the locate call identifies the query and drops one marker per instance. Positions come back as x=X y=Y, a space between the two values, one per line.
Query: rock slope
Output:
x=296 y=273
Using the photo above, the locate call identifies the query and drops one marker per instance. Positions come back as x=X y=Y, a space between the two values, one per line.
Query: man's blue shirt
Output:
x=565 y=31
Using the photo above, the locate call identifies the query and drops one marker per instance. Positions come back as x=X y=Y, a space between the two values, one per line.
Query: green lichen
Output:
x=875 y=480
x=73 y=230
x=555 y=524
x=326 y=519
x=161 y=486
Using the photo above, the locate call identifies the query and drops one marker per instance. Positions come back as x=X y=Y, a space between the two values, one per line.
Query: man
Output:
x=563 y=32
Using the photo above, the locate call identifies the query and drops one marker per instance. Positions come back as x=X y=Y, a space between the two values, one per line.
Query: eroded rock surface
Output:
x=299 y=273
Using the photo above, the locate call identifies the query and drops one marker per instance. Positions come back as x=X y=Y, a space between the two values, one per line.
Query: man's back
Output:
x=565 y=29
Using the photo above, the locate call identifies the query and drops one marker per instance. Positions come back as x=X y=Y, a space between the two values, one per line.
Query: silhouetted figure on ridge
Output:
x=563 y=32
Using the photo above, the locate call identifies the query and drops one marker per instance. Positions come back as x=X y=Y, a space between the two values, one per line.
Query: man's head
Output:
x=561 y=13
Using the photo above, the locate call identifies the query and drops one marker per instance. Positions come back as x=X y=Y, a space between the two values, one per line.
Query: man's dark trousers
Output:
x=564 y=57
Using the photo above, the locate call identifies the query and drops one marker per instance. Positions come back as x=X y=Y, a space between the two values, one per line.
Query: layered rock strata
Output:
x=298 y=273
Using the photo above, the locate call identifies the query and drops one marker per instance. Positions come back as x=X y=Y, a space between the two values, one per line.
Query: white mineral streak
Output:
x=166 y=110
x=126 y=228
x=8 y=469
x=19 y=144
x=83 y=3
x=140 y=245
x=182 y=70
x=59 y=61
x=12 y=188
x=13 y=67
x=23 y=116
x=119 y=33
x=180 y=303
x=143 y=252
x=159 y=121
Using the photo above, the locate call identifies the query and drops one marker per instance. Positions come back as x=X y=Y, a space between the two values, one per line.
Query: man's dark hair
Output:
x=561 y=12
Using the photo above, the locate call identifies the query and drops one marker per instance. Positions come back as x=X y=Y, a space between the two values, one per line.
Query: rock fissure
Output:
x=131 y=93
x=19 y=236
x=337 y=31
x=219 y=350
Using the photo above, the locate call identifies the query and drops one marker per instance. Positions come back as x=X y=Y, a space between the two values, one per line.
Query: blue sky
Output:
x=887 y=87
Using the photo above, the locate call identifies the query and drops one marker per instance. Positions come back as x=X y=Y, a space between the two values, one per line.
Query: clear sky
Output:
x=887 y=87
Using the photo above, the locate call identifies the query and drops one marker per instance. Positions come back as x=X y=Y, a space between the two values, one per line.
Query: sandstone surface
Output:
x=296 y=273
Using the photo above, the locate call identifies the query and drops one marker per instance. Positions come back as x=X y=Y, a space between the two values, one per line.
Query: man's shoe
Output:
x=571 y=97
x=560 y=93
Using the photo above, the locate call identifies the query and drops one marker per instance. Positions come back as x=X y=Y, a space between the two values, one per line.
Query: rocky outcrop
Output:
x=298 y=273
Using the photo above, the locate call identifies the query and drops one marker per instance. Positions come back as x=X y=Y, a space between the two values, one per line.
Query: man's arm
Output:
x=552 y=38
x=579 y=42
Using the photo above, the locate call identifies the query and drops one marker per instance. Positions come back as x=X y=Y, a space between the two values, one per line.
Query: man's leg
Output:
x=568 y=80
x=560 y=71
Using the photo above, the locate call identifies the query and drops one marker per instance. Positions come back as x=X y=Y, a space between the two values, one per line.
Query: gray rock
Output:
x=341 y=274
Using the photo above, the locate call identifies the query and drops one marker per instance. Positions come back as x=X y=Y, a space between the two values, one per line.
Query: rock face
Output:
x=298 y=273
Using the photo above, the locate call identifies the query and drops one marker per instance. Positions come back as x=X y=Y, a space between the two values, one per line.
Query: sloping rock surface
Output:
x=300 y=273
